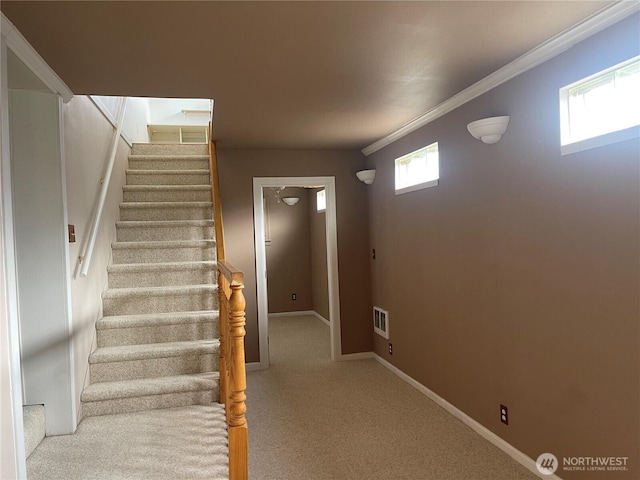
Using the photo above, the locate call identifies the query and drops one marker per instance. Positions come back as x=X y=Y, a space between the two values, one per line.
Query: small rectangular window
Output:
x=593 y=109
x=321 y=200
x=417 y=170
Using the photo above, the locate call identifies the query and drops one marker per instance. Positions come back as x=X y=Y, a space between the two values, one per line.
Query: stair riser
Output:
x=114 y=337
x=153 y=367
x=167 y=196
x=151 y=214
x=134 y=178
x=142 y=234
x=132 y=305
x=165 y=149
x=162 y=278
x=151 y=255
x=137 y=404
x=168 y=164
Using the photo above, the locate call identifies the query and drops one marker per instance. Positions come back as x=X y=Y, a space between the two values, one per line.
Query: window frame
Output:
x=324 y=201
x=421 y=185
x=567 y=145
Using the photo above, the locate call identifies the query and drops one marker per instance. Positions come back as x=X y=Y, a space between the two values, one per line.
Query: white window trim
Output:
x=607 y=138
x=403 y=162
x=417 y=186
x=321 y=210
x=601 y=140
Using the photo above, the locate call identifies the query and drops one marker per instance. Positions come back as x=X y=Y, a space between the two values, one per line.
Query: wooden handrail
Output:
x=233 y=378
x=215 y=194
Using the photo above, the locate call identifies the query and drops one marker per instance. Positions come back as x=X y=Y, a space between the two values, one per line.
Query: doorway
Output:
x=328 y=183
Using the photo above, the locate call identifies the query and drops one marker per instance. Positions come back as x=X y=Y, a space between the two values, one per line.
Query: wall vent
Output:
x=381 y=322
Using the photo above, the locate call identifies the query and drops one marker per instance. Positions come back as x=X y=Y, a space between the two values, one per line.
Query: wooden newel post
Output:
x=238 y=462
x=239 y=379
x=222 y=332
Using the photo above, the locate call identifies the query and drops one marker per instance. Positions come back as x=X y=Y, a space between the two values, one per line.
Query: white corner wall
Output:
x=39 y=211
x=136 y=118
x=12 y=462
x=87 y=140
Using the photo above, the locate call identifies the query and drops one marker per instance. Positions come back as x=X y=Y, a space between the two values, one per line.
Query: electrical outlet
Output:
x=504 y=415
x=293 y=296
x=390 y=348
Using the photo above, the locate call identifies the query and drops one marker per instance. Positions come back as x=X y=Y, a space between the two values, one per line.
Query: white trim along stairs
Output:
x=157 y=343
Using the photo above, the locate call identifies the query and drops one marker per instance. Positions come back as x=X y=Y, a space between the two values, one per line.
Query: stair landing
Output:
x=185 y=442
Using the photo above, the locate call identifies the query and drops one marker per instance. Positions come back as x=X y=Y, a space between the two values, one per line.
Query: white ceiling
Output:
x=337 y=75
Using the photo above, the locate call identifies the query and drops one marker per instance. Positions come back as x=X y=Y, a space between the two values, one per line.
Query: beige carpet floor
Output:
x=173 y=443
x=310 y=418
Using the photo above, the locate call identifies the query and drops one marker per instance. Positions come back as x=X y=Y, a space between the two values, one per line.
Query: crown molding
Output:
x=540 y=54
x=28 y=55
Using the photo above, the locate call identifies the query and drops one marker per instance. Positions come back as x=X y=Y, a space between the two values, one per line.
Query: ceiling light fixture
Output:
x=291 y=201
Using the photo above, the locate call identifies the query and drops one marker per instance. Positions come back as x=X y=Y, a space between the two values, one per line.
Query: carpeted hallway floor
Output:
x=313 y=419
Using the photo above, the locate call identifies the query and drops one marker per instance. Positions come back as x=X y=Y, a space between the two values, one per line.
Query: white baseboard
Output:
x=480 y=429
x=321 y=318
x=292 y=314
x=301 y=312
x=357 y=356
x=252 y=366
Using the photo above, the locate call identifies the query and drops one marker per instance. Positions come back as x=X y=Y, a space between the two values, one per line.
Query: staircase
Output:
x=157 y=343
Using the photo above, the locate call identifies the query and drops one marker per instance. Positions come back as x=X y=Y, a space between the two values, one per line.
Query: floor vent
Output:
x=381 y=322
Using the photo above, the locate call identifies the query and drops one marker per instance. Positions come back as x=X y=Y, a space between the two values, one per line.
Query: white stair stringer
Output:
x=157 y=343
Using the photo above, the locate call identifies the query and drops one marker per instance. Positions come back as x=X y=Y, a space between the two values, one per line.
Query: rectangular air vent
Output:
x=381 y=322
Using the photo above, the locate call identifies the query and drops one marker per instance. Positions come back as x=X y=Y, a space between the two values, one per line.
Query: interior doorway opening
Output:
x=261 y=236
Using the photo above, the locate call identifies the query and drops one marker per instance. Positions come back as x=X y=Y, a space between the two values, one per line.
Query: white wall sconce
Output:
x=489 y=130
x=366 y=176
x=291 y=201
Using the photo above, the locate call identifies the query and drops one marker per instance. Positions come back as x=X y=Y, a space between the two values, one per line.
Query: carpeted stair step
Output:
x=153 y=211
x=157 y=328
x=184 y=298
x=169 y=162
x=128 y=362
x=130 y=275
x=34 y=420
x=133 y=231
x=167 y=251
x=125 y=396
x=169 y=149
x=167 y=193
x=167 y=177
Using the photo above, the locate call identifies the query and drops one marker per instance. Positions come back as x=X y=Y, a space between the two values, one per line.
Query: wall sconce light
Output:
x=489 y=130
x=291 y=201
x=366 y=176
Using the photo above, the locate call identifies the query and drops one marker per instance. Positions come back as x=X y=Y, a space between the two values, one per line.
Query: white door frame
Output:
x=329 y=184
x=10 y=334
x=10 y=362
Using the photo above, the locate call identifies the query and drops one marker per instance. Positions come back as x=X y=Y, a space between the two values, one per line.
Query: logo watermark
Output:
x=548 y=464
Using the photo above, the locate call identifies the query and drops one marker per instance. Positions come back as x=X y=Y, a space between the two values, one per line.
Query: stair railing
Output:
x=85 y=258
x=233 y=379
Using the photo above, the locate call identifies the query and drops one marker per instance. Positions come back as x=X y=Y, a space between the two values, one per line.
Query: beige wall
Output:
x=516 y=280
x=237 y=169
x=87 y=137
x=288 y=252
x=319 y=285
